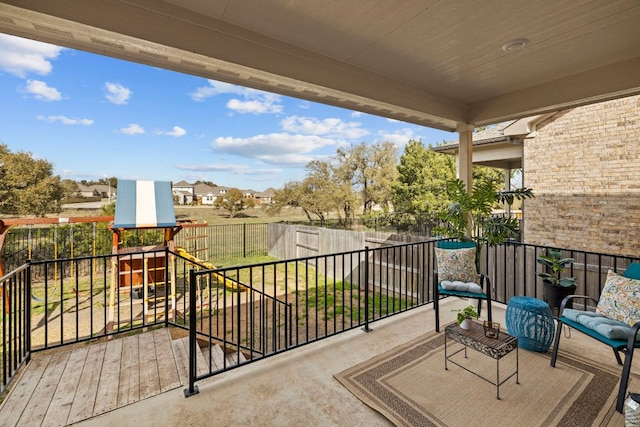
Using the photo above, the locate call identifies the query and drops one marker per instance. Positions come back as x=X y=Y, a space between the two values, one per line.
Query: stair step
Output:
x=217 y=357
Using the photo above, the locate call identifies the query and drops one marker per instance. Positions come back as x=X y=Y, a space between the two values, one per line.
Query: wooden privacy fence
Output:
x=511 y=267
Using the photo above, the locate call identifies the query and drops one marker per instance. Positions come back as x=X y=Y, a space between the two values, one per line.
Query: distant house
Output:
x=221 y=192
x=205 y=194
x=98 y=190
x=265 y=197
x=183 y=192
x=106 y=191
x=88 y=191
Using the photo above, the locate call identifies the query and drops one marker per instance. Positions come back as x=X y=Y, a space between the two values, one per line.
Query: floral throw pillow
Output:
x=620 y=299
x=457 y=264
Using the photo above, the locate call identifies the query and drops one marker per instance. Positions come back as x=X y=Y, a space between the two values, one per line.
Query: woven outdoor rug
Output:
x=410 y=386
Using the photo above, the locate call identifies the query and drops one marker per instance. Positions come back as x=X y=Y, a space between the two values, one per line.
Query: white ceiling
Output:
x=435 y=63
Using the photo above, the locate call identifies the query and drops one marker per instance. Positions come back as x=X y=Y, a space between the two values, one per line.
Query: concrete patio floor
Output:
x=297 y=388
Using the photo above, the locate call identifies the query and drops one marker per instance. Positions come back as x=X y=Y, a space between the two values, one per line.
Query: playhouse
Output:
x=143 y=271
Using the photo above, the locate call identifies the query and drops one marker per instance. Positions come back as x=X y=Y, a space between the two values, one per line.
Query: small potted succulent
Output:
x=466 y=316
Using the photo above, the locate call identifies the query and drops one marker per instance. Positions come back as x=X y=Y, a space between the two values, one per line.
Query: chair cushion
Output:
x=457 y=265
x=457 y=285
x=612 y=329
x=620 y=299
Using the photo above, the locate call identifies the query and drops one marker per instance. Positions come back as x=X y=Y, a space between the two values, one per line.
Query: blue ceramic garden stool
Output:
x=531 y=320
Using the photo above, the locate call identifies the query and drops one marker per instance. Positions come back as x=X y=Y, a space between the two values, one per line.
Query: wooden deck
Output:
x=64 y=387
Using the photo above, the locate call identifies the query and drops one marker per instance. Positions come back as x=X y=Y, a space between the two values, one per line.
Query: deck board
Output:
x=82 y=407
x=182 y=360
x=21 y=394
x=107 y=394
x=169 y=378
x=57 y=389
x=44 y=393
x=149 y=375
x=129 y=386
x=60 y=406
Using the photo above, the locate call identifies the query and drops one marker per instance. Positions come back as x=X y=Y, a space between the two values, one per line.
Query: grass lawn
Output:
x=211 y=215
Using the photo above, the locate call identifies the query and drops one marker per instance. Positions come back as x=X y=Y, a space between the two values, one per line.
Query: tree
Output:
x=71 y=187
x=421 y=183
x=369 y=169
x=209 y=183
x=292 y=194
x=27 y=185
x=111 y=181
x=234 y=202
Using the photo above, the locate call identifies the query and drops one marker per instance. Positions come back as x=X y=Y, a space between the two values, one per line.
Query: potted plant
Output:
x=466 y=316
x=473 y=211
x=556 y=287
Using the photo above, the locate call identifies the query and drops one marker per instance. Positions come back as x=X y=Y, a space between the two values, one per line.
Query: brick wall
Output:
x=584 y=168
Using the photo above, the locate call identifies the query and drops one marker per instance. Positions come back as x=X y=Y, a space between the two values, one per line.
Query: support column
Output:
x=465 y=162
x=507 y=186
x=465 y=157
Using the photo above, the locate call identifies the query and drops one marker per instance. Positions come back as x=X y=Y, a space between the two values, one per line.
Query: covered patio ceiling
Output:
x=435 y=63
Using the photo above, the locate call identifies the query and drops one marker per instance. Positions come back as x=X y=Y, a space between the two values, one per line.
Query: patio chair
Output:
x=457 y=275
x=615 y=321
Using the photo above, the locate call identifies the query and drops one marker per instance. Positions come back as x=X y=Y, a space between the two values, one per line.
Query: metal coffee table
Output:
x=474 y=338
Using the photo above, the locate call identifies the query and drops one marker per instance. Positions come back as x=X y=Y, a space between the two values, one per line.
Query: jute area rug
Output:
x=410 y=386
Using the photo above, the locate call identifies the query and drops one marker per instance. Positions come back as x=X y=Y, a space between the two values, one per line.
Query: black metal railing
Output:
x=249 y=312
x=66 y=241
x=15 y=315
x=334 y=293
x=512 y=269
x=319 y=296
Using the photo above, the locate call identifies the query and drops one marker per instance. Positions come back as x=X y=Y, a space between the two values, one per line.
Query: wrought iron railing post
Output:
x=193 y=389
x=27 y=307
x=366 y=290
x=167 y=277
x=290 y=324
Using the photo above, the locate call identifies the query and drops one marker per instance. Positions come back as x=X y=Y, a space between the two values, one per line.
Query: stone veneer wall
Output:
x=584 y=168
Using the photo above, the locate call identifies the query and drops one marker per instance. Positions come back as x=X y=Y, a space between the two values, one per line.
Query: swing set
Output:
x=7 y=223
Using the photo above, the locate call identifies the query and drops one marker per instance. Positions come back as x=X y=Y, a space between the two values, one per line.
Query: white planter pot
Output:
x=466 y=324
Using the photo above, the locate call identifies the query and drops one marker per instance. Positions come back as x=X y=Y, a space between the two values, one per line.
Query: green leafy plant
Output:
x=475 y=211
x=468 y=312
x=556 y=264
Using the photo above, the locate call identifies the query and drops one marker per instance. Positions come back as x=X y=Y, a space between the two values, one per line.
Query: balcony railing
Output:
x=15 y=315
x=248 y=312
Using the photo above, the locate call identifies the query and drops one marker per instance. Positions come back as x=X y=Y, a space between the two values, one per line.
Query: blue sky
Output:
x=95 y=117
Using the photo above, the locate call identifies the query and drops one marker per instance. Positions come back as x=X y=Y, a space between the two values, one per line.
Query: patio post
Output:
x=193 y=389
x=465 y=159
x=366 y=327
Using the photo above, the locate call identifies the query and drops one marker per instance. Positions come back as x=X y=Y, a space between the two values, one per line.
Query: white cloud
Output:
x=66 y=120
x=230 y=168
x=132 y=129
x=20 y=56
x=275 y=148
x=216 y=88
x=40 y=90
x=399 y=138
x=334 y=127
x=252 y=101
x=256 y=106
x=176 y=131
x=356 y=113
x=117 y=94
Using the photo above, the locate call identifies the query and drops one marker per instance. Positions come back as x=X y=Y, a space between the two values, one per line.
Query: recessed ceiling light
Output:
x=515 y=45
